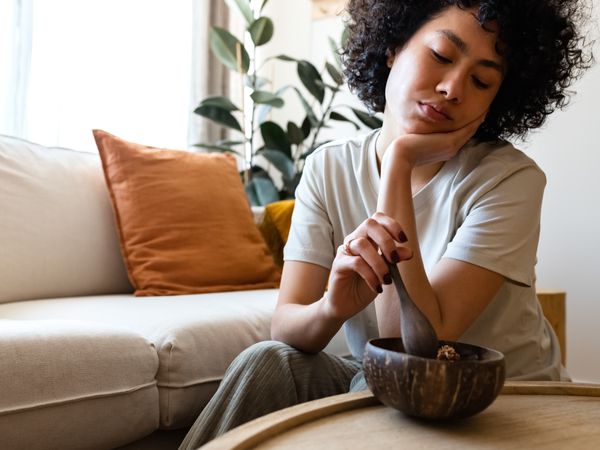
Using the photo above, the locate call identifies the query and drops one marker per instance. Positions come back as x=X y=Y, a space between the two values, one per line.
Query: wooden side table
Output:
x=548 y=415
x=555 y=310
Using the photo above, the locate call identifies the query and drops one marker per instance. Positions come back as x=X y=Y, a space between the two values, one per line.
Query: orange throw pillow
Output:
x=185 y=225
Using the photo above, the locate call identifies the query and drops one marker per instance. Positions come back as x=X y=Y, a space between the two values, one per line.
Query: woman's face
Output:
x=445 y=76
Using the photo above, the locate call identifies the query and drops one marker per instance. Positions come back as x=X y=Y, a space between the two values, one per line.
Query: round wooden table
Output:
x=544 y=415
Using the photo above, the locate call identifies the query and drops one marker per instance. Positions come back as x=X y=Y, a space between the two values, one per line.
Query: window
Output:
x=120 y=65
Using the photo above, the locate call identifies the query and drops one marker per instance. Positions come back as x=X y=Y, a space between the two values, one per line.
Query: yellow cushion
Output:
x=275 y=227
x=184 y=222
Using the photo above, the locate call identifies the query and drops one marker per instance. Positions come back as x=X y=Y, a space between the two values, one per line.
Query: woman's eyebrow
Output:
x=464 y=48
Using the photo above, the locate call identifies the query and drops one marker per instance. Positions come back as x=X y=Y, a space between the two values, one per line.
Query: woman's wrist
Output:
x=395 y=184
x=328 y=311
x=399 y=156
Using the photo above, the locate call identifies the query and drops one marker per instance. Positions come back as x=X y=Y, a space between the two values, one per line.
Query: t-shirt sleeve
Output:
x=311 y=233
x=501 y=229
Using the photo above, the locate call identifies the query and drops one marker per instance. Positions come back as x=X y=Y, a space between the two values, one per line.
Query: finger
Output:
x=394 y=233
x=363 y=248
x=462 y=135
x=358 y=265
x=362 y=232
x=480 y=118
x=476 y=123
x=404 y=253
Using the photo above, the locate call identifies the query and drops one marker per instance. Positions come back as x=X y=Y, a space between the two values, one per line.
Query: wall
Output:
x=569 y=253
x=566 y=149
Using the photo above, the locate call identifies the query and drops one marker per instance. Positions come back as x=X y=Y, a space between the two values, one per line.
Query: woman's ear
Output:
x=391 y=55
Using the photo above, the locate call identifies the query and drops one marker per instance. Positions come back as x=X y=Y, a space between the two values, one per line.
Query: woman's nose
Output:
x=452 y=87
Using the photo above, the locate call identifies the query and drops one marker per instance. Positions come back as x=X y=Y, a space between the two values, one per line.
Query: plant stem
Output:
x=253 y=113
x=246 y=172
x=322 y=120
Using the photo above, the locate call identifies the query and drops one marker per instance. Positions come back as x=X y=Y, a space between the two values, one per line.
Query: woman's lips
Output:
x=433 y=114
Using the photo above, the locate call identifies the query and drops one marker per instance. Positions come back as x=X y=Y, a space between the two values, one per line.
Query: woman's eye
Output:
x=440 y=58
x=480 y=84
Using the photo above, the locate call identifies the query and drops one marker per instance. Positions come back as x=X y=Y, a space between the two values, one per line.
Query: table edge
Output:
x=252 y=433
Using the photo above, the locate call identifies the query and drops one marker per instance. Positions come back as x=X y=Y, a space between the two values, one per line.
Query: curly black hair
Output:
x=539 y=39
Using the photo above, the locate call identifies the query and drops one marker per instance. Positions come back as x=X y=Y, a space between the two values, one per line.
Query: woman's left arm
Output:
x=456 y=292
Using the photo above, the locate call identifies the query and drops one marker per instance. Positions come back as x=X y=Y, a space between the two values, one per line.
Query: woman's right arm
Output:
x=302 y=317
x=306 y=317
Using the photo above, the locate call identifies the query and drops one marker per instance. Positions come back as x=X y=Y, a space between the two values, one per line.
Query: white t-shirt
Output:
x=483 y=207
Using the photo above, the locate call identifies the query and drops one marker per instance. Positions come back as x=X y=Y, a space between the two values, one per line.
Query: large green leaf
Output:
x=284 y=58
x=368 y=120
x=261 y=191
x=306 y=127
x=335 y=49
x=255 y=82
x=229 y=143
x=229 y=49
x=261 y=31
x=335 y=75
x=217 y=148
x=243 y=6
x=307 y=109
x=295 y=134
x=275 y=138
x=311 y=79
x=337 y=116
x=281 y=161
x=268 y=98
x=291 y=185
x=219 y=115
x=221 y=102
x=263 y=110
x=344 y=37
x=329 y=86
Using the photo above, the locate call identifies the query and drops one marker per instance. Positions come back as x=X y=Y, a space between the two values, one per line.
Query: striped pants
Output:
x=269 y=376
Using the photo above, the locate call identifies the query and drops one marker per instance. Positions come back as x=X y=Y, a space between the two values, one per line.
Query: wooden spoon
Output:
x=418 y=336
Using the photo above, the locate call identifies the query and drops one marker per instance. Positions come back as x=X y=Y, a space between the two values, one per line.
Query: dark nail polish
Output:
x=387 y=278
x=395 y=257
x=402 y=237
x=379 y=288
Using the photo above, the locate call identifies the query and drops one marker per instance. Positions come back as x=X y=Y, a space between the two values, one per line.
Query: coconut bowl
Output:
x=430 y=388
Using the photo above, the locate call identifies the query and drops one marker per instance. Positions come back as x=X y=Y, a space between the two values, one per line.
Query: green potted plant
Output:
x=262 y=144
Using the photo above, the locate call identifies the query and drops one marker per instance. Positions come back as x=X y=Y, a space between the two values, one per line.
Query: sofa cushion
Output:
x=57 y=233
x=196 y=336
x=184 y=221
x=74 y=384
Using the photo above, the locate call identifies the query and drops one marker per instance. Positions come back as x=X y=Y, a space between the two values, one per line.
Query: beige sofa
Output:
x=84 y=363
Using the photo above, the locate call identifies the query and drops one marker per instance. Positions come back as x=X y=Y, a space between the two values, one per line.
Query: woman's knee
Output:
x=265 y=353
x=266 y=349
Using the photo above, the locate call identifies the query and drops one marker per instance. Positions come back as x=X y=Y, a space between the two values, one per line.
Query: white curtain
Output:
x=15 y=62
x=209 y=76
x=67 y=66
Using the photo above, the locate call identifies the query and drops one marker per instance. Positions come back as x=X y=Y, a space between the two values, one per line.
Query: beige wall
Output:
x=566 y=149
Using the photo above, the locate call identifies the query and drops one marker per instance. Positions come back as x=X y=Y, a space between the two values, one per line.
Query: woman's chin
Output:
x=417 y=126
x=424 y=128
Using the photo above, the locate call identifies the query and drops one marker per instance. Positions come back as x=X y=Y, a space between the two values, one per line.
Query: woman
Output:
x=438 y=190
